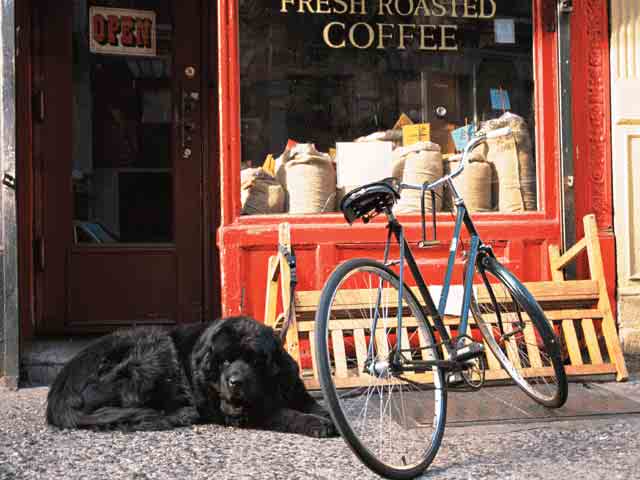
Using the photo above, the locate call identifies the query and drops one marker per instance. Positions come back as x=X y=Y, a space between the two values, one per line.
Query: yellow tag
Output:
x=403 y=120
x=332 y=153
x=420 y=132
x=269 y=165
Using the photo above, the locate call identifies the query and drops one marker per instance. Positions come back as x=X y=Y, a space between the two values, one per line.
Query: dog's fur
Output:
x=233 y=371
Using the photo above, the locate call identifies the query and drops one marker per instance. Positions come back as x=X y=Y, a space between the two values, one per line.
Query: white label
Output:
x=505 y=30
x=359 y=163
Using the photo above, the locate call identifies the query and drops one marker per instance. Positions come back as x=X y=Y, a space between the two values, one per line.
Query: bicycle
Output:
x=411 y=357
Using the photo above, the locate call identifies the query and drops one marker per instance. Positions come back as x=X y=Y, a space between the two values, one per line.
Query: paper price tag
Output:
x=500 y=99
x=461 y=136
x=419 y=132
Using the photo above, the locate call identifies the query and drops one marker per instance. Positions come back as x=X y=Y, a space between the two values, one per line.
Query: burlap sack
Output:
x=475 y=184
x=393 y=135
x=514 y=162
x=421 y=162
x=310 y=180
x=260 y=193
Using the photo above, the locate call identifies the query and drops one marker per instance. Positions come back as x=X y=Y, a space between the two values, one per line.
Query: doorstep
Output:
x=42 y=359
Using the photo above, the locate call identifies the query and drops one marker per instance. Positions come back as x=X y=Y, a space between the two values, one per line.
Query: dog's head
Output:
x=235 y=365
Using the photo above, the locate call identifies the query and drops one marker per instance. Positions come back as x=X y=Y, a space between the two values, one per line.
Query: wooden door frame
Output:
x=24 y=170
x=25 y=164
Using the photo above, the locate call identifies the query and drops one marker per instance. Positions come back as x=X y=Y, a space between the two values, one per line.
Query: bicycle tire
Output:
x=385 y=393
x=524 y=345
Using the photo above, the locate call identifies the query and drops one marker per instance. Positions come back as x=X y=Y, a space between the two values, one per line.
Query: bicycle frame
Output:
x=428 y=304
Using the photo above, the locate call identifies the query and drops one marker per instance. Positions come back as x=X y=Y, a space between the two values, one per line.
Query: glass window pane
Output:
x=122 y=165
x=322 y=78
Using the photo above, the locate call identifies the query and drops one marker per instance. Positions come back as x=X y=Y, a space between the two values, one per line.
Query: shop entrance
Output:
x=119 y=164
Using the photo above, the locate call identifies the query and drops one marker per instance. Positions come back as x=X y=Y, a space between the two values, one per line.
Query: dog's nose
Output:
x=234 y=381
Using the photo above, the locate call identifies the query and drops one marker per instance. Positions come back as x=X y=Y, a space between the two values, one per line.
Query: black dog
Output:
x=232 y=372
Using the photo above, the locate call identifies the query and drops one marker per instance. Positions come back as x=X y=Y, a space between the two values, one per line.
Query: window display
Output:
x=417 y=77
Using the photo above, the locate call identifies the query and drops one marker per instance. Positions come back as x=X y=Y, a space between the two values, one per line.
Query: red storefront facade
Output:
x=208 y=258
x=521 y=240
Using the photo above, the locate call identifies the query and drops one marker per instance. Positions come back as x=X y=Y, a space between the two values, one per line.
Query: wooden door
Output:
x=118 y=164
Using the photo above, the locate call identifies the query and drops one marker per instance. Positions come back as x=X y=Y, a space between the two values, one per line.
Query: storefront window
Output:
x=337 y=93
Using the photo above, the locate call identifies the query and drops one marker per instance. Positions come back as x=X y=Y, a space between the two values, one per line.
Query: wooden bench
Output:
x=580 y=311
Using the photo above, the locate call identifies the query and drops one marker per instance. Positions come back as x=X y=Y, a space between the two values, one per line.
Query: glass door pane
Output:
x=122 y=169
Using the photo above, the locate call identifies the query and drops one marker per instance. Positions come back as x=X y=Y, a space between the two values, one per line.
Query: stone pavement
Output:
x=597 y=436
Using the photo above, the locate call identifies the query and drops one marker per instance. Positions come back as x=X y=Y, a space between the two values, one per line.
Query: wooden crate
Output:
x=579 y=310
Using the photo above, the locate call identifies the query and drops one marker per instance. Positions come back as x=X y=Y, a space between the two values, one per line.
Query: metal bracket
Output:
x=9 y=180
x=569 y=181
x=565 y=6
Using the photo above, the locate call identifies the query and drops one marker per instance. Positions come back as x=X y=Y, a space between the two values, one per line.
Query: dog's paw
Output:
x=320 y=427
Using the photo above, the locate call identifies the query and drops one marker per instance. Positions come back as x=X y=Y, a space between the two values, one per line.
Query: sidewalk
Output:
x=496 y=433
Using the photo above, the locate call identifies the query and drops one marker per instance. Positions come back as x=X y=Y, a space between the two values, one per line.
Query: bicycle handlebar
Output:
x=473 y=143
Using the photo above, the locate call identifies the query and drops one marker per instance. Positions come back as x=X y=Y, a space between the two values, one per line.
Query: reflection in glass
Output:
x=122 y=161
x=323 y=73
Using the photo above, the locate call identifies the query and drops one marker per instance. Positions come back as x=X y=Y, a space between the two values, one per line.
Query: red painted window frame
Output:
x=239 y=233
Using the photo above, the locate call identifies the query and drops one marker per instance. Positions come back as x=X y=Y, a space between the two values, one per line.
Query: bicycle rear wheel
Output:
x=394 y=423
x=518 y=333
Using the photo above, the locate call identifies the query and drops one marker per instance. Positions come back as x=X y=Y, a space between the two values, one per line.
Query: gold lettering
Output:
x=470 y=9
x=323 y=6
x=483 y=14
x=363 y=7
x=422 y=5
x=409 y=9
x=441 y=10
x=283 y=7
x=454 y=13
x=444 y=37
x=384 y=4
x=344 y=7
x=325 y=34
x=352 y=36
x=427 y=33
x=304 y=3
x=403 y=36
x=382 y=35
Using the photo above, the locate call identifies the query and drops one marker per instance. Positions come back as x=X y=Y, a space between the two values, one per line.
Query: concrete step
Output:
x=42 y=359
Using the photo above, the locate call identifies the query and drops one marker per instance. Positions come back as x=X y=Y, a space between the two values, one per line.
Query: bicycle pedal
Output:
x=469 y=351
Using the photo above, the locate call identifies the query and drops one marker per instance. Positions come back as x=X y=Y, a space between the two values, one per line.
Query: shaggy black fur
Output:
x=232 y=372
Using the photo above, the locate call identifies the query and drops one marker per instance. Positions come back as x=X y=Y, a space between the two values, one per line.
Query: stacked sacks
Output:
x=419 y=163
x=260 y=193
x=309 y=177
x=475 y=184
x=512 y=156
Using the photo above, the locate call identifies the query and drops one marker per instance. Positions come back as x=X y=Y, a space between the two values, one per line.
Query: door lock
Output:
x=189 y=122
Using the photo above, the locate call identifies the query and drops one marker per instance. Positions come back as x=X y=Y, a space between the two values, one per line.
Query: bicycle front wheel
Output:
x=393 y=421
x=518 y=334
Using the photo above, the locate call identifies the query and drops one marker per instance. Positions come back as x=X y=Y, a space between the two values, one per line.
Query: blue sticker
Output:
x=461 y=136
x=500 y=99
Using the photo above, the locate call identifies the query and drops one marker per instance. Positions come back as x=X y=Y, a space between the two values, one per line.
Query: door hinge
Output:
x=38 y=254
x=9 y=180
x=38 y=106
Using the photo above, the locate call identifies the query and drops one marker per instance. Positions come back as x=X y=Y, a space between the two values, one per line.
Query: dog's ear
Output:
x=276 y=358
x=204 y=361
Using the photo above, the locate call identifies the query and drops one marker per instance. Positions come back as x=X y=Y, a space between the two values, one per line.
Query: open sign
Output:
x=119 y=31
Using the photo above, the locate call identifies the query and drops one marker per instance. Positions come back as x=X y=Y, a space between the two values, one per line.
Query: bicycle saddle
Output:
x=369 y=200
